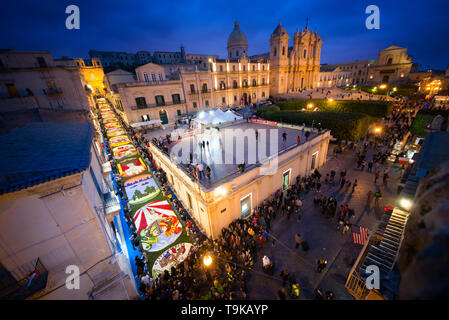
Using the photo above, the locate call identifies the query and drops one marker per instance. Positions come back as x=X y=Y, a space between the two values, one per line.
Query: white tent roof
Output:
x=216 y=117
x=230 y=116
x=145 y=123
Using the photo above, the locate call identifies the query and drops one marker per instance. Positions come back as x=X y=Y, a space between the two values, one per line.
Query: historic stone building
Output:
x=295 y=68
x=392 y=66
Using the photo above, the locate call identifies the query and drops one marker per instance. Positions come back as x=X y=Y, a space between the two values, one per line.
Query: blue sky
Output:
x=203 y=26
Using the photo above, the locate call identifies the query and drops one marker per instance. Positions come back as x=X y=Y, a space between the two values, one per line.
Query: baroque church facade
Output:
x=292 y=68
x=297 y=67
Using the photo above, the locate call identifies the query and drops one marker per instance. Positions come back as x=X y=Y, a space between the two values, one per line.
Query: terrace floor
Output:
x=223 y=160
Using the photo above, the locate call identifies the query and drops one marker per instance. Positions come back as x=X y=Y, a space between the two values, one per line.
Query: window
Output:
x=207 y=103
x=160 y=101
x=221 y=68
x=12 y=91
x=305 y=53
x=314 y=157
x=178 y=112
x=163 y=116
x=254 y=82
x=263 y=80
x=189 y=199
x=245 y=206
x=160 y=77
x=235 y=98
x=389 y=61
x=223 y=100
x=222 y=85
x=263 y=94
x=286 y=179
x=146 y=117
x=51 y=85
x=283 y=51
x=195 y=105
x=153 y=77
x=244 y=68
x=274 y=52
x=140 y=102
x=204 y=87
x=41 y=62
x=192 y=88
x=145 y=75
x=233 y=68
x=234 y=84
x=254 y=68
x=176 y=98
x=236 y=53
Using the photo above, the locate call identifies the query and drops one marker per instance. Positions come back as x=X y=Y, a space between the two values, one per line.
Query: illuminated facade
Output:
x=231 y=194
x=295 y=68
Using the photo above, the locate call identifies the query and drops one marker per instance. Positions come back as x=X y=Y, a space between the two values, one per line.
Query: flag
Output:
x=359 y=235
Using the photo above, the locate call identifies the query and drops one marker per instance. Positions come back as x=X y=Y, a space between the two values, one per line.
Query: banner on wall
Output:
x=262 y=121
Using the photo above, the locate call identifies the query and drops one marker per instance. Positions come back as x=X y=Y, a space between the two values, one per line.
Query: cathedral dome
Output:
x=237 y=37
x=279 y=31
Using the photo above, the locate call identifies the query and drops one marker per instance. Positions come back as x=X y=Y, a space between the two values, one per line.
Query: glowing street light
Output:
x=310 y=106
x=395 y=89
x=382 y=86
x=378 y=130
x=405 y=203
x=330 y=99
x=221 y=191
x=207 y=260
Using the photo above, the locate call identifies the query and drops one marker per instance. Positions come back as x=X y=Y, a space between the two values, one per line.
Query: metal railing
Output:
x=355 y=285
x=34 y=281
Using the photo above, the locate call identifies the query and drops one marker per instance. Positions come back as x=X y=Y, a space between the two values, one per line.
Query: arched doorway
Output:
x=385 y=79
x=163 y=116
x=245 y=99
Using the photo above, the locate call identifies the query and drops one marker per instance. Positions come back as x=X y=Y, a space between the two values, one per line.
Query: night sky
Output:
x=204 y=26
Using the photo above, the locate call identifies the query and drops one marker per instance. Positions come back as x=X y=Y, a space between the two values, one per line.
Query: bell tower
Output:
x=279 y=60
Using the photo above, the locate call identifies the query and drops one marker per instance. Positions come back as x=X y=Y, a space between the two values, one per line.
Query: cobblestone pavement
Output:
x=324 y=239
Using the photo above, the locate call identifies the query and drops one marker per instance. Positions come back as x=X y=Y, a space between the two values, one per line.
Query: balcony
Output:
x=52 y=91
x=149 y=106
x=193 y=92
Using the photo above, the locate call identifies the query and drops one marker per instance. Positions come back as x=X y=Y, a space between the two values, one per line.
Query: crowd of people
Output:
x=236 y=248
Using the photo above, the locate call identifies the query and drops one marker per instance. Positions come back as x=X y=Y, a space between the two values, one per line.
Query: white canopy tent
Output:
x=216 y=116
x=146 y=123
x=231 y=116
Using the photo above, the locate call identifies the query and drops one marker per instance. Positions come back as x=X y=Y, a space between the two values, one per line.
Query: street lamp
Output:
x=207 y=260
x=377 y=129
x=405 y=203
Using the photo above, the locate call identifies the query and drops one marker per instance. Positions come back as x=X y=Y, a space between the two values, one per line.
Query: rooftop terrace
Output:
x=224 y=161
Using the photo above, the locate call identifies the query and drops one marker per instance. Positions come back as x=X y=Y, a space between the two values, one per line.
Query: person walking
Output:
x=342 y=183
x=298 y=240
x=377 y=176
x=321 y=264
x=354 y=185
